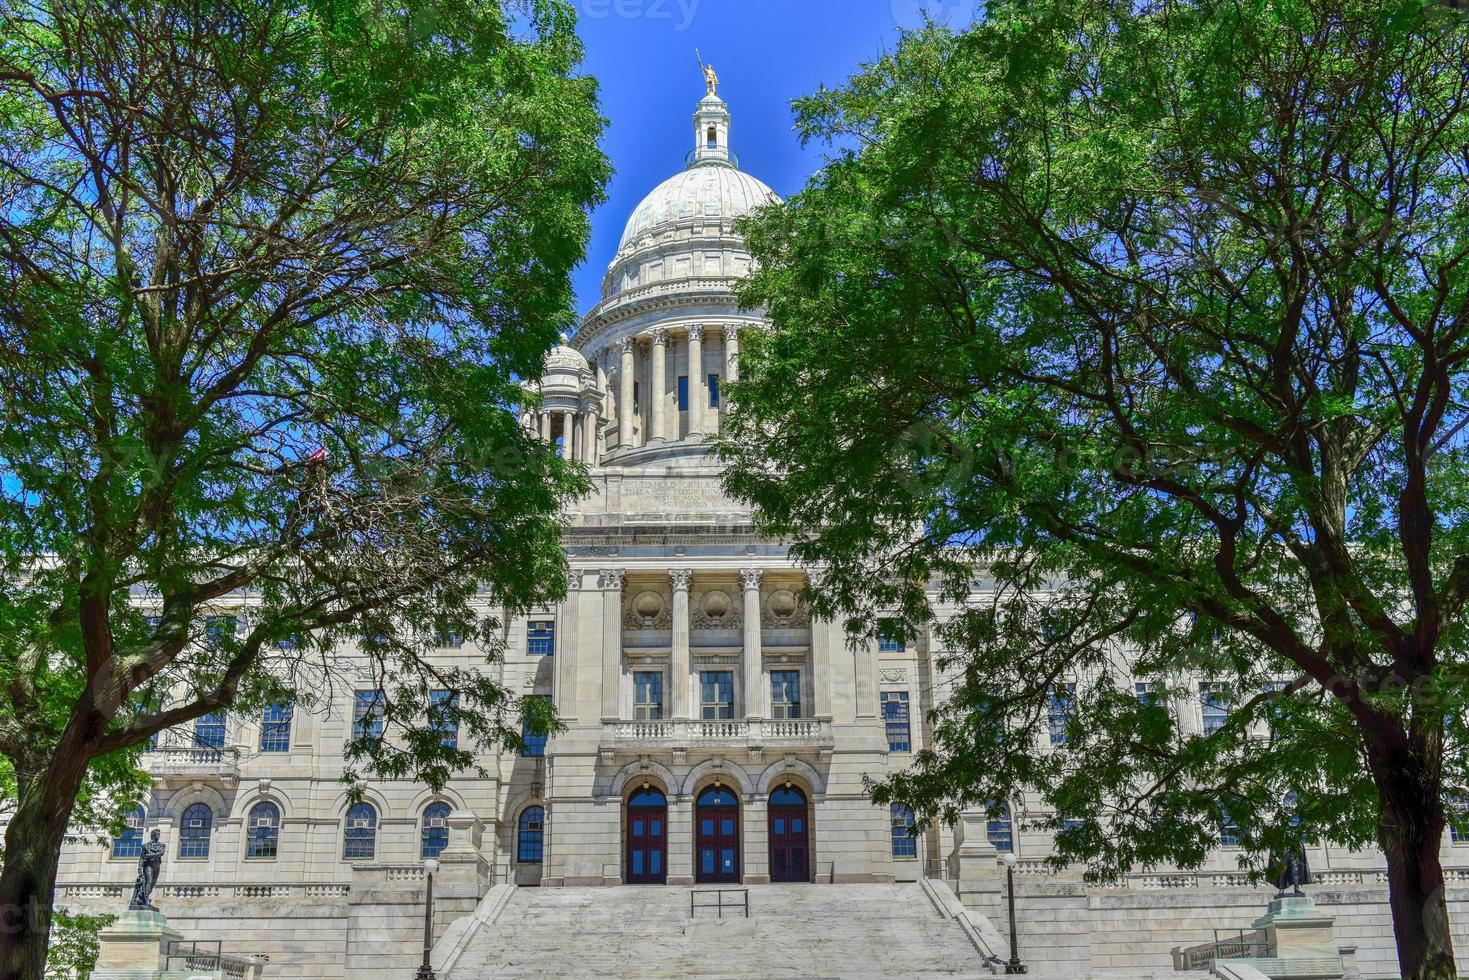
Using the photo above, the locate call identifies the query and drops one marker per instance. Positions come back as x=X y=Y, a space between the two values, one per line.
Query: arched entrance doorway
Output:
x=647 y=837
x=790 y=835
x=717 y=835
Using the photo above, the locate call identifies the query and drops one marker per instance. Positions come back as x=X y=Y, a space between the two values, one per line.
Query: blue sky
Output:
x=767 y=52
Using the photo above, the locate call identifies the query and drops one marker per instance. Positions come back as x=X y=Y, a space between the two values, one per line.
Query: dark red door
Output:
x=790 y=835
x=717 y=836
x=647 y=838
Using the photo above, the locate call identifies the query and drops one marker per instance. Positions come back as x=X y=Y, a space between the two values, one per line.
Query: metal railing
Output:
x=719 y=902
x=692 y=156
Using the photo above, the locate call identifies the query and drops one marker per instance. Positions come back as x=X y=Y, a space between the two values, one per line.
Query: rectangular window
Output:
x=1229 y=835
x=541 y=638
x=683 y=392
x=535 y=745
x=895 y=718
x=530 y=840
x=444 y=704
x=1456 y=812
x=904 y=843
x=367 y=714
x=209 y=730
x=648 y=695
x=785 y=694
x=449 y=640
x=716 y=694
x=275 y=728
x=218 y=629
x=999 y=829
x=890 y=637
x=713 y=391
x=1214 y=699
x=1149 y=694
x=1062 y=700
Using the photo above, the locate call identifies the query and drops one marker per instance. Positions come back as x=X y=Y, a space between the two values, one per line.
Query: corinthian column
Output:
x=568 y=434
x=698 y=394
x=660 y=379
x=624 y=396
x=678 y=668
x=754 y=690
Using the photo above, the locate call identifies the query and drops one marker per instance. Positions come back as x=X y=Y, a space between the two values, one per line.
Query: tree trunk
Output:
x=1410 y=829
x=28 y=882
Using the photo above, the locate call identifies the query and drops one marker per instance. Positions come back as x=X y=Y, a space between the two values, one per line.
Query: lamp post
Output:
x=1014 y=966
x=426 y=970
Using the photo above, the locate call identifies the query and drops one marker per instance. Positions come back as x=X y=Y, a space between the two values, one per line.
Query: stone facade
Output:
x=682 y=662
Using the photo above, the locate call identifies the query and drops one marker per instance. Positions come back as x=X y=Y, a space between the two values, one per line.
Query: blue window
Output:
x=713 y=391
x=904 y=843
x=1149 y=693
x=1229 y=832
x=683 y=392
x=1000 y=830
x=263 y=830
x=1456 y=811
x=541 y=638
x=1062 y=700
x=218 y=629
x=435 y=829
x=890 y=636
x=288 y=642
x=895 y=719
x=444 y=716
x=275 y=728
x=129 y=844
x=716 y=695
x=535 y=745
x=530 y=835
x=367 y=715
x=648 y=695
x=359 y=836
x=785 y=694
x=209 y=730
x=1215 y=700
x=194 y=834
x=449 y=640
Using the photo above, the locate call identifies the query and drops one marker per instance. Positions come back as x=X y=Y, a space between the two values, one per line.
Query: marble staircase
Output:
x=793 y=931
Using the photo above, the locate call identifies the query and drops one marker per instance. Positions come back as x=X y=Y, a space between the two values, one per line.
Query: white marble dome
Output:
x=564 y=364
x=712 y=190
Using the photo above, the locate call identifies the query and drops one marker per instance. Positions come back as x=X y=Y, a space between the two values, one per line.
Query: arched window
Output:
x=904 y=843
x=359 y=836
x=787 y=796
x=194 y=834
x=263 y=831
x=650 y=797
x=713 y=138
x=129 y=844
x=999 y=829
x=1456 y=811
x=530 y=837
x=435 y=829
x=717 y=796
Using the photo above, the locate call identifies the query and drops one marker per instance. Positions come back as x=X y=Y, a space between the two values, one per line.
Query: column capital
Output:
x=750 y=577
x=659 y=335
x=696 y=331
x=612 y=579
x=681 y=578
x=625 y=345
x=732 y=332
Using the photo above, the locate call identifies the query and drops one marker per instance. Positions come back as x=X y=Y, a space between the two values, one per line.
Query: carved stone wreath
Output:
x=714 y=610
x=648 y=610
x=784 y=610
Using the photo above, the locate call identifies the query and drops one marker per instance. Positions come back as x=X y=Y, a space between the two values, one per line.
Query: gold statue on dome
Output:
x=711 y=80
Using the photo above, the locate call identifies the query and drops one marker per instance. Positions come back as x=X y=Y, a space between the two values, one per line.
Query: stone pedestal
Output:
x=135 y=947
x=1297 y=930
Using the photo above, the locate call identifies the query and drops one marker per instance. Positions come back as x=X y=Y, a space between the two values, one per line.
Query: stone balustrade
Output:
x=176 y=762
x=241 y=890
x=812 y=733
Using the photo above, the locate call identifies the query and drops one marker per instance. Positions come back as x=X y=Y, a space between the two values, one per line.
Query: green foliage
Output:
x=1138 y=331
x=74 y=945
x=270 y=275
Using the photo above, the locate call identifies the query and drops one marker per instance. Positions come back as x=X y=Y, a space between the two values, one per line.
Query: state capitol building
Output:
x=716 y=734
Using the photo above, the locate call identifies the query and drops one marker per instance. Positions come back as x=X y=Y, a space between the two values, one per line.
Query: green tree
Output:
x=1136 y=334
x=269 y=273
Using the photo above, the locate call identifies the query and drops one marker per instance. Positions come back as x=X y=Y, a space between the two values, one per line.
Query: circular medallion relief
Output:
x=647 y=604
x=716 y=604
x=783 y=603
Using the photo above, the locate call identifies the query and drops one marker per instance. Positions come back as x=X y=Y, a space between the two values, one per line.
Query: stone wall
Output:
x=1068 y=927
